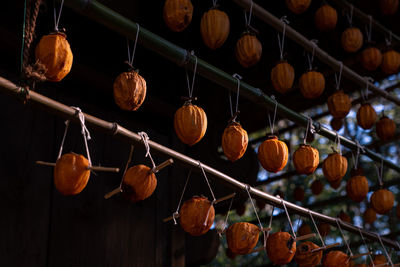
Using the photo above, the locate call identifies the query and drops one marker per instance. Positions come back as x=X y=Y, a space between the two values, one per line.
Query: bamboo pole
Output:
x=116 y=130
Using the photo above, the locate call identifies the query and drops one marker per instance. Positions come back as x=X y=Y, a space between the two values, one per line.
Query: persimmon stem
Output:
x=360 y=255
x=92 y=168
x=162 y=166
x=303 y=237
x=326 y=247
x=114 y=192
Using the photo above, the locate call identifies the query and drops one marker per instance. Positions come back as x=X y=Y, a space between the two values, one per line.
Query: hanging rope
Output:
x=127 y=165
x=316 y=228
x=34 y=72
x=365 y=243
x=63 y=139
x=288 y=217
x=310 y=128
x=270 y=222
x=234 y=115
x=130 y=58
x=384 y=249
x=214 y=3
x=281 y=43
x=85 y=132
x=222 y=228
x=248 y=19
x=368 y=29
x=255 y=211
x=175 y=215
x=310 y=58
x=339 y=78
x=145 y=139
x=272 y=123
x=379 y=172
x=57 y=17
x=367 y=81
x=344 y=238
x=349 y=16
x=191 y=87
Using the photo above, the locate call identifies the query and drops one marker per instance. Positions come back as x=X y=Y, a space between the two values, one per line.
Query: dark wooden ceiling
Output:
x=99 y=56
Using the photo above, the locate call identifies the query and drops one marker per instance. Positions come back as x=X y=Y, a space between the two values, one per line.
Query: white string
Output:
x=311 y=58
x=272 y=124
x=145 y=139
x=367 y=81
x=316 y=227
x=288 y=217
x=208 y=182
x=337 y=142
x=338 y=79
x=389 y=40
x=238 y=78
x=130 y=59
x=85 y=132
x=63 y=139
x=281 y=44
x=359 y=147
x=270 y=222
x=365 y=243
x=126 y=166
x=57 y=19
x=310 y=128
x=214 y=3
x=384 y=249
x=220 y=231
x=344 y=238
x=349 y=15
x=175 y=215
x=190 y=87
x=248 y=20
x=368 y=29
x=255 y=211
x=379 y=172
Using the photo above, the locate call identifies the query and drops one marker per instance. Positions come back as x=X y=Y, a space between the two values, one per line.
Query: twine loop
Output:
x=85 y=132
x=337 y=142
x=145 y=138
x=132 y=56
x=272 y=123
x=344 y=238
x=234 y=115
x=175 y=215
x=349 y=15
x=384 y=249
x=379 y=172
x=310 y=58
x=339 y=78
x=368 y=29
x=281 y=43
x=365 y=243
x=248 y=19
x=316 y=228
x=388 y=41
x=191 y=86
x=221 y=228
x=247 y=187
x=359 y=148
x=288 y=217
x=368 y=80
x=309 y=128
x=57 y=17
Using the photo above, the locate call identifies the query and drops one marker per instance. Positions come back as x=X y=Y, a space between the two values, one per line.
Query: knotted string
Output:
x=384 y=249
x=339 y=78
x=234 y=115
x=281 y=43
x=175 y=215
x=365 y=243
x=131 y=57
x=63 y=139
x=349 y=16
x=389 y=40
x=145 y=138
x=272 y=123
x=379 y=172
x=344 y=238
x=337 y=142
x=355 y=159
x=270 y=222
x=316 y=228
x=214 y=3
x=220 y=230
x=368 y=29
x=255 y=211
x=57 y=18
x=212 y=193
x=288 y=217
x=310 y=128
x=84 y=131
x=310 y=58
x=191 y=87
x=248 y=19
